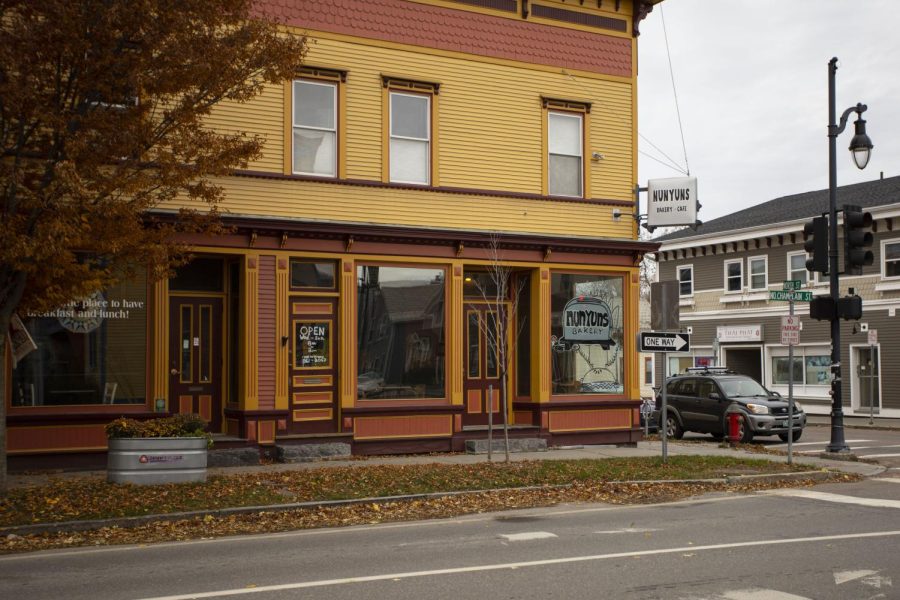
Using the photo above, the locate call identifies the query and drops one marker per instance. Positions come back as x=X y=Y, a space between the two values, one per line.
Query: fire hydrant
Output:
x=734 y=427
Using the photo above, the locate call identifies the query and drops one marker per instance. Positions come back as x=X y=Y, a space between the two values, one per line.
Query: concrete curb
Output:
x=131 y=522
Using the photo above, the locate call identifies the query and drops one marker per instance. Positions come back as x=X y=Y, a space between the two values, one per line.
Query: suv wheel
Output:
x=745 y=433
x=797 y=434
x=674 y=429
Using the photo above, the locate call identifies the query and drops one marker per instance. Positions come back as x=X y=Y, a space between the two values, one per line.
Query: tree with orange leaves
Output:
x=102 y=107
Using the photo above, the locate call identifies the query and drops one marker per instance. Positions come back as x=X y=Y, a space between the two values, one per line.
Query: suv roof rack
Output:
x=718 y=370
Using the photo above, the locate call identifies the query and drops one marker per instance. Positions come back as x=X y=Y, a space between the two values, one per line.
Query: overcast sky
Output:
x=752 y=83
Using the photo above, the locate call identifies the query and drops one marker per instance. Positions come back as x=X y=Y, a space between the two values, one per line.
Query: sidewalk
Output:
x=646 y=448
x=855 y=422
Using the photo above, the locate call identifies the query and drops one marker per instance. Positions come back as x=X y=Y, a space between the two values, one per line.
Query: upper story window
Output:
x=734 y=275
x=890 y=261
x=565 y=144
x=410 y=130
x=410 y=158
x=796 y=267
x=686 y=280
x=315 y=133
x=759 y=276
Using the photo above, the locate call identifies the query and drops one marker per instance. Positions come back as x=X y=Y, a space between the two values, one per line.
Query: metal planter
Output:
x=150 y=461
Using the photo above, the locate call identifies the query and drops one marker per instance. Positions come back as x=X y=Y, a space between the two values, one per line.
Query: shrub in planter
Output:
x=176 y=426
x=167 y=450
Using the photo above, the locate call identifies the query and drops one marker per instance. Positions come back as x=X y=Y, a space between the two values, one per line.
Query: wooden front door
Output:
x=195 y=357
x=313 y=365
x=482 y=369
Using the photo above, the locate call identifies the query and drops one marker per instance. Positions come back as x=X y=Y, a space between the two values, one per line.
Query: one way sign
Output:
x=662 y=341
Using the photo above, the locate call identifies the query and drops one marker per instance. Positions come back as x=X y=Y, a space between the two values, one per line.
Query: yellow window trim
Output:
x=309 y=73
x=578 y=107
x=395 y=83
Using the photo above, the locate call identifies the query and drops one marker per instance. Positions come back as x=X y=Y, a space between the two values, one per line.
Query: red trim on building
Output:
x=458 y=31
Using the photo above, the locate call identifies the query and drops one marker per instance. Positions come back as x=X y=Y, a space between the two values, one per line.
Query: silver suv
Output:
x=700 y=399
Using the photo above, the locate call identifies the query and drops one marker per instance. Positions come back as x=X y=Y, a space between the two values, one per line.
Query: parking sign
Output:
x=790 y=330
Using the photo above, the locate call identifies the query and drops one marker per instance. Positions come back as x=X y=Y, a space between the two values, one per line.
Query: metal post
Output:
x=490 y=405
x=664 y=412
x=791 y=393
x=871 y=375
x=838 y=443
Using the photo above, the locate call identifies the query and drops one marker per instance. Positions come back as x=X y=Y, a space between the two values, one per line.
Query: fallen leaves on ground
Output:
x=68 y=499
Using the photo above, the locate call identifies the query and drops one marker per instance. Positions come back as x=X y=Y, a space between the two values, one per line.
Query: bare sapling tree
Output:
x=500 y=292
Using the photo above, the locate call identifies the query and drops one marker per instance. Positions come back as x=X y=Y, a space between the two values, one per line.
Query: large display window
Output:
x=90 y=351
x=401 y=332
x=588 y=353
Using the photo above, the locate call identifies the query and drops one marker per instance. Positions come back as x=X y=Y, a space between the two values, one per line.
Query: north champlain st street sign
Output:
x=796 y=296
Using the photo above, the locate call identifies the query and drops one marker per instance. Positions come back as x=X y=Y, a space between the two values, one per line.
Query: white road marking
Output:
x=823 y=443
x=874 y=502
x=845 y=576
x=888 y=479
x=881 y=455
x=528 y=536
x=519 y=565
x=760 y=595
x=629 y=530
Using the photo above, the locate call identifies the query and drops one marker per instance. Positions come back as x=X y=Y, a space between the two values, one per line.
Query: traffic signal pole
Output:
x=838 y=442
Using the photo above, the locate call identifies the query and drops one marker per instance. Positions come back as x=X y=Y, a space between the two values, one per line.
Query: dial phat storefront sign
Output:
x=739 y=333
x=672 y=201
x=587 y=320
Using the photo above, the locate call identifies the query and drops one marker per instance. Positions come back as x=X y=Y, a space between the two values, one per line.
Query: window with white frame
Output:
x=686 y=280
x=812 y=366
x=565 y=142
x=410 y=133
x=315 y=128
x=759 y=276
x=890 y=261
x=734 y=275
x=796 y=267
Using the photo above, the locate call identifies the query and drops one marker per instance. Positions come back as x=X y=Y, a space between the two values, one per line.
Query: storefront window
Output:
x=93 y=351
x=586 y=334
x=400 y=330
x=781 y=372
x=811 y=369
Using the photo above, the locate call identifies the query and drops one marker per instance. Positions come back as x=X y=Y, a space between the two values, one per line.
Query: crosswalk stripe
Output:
x=873 y=502
x=528 y=536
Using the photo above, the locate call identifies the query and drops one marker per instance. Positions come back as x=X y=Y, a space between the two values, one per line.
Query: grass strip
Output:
x=70 y=499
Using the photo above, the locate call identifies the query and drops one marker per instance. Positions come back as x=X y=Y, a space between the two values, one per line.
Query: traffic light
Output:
x=816 y=244
x=856 y=239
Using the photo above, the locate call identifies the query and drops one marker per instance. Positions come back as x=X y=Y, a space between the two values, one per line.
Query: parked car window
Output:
x=735 y=388
x=688 y=387
x=706 y=388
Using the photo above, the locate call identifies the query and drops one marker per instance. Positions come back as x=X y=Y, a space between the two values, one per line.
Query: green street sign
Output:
x=786 y=296
x=792 y=284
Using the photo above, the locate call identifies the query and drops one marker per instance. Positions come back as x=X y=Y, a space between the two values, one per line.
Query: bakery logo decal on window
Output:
x=87 y=314
x=587 y=321
x=312 y=343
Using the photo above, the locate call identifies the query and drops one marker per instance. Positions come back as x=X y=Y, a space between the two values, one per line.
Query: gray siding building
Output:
x=726 y=269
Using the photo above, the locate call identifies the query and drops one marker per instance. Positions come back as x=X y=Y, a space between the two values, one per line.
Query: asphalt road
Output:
x=827 y=542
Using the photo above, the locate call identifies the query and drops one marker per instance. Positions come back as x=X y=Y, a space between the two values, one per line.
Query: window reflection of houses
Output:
x=401 y=330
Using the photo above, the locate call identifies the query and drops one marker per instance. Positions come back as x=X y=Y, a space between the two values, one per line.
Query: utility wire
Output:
x=662 y=14
x=672 y=161
x=665 y=164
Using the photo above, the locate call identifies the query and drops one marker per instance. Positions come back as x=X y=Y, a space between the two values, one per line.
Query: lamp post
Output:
x=860 y=147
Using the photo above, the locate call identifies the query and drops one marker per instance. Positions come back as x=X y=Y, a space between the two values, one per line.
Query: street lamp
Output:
x=861 y=148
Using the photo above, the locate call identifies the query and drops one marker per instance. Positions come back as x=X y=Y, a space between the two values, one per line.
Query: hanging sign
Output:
x=672 y=201
x=587 y=320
